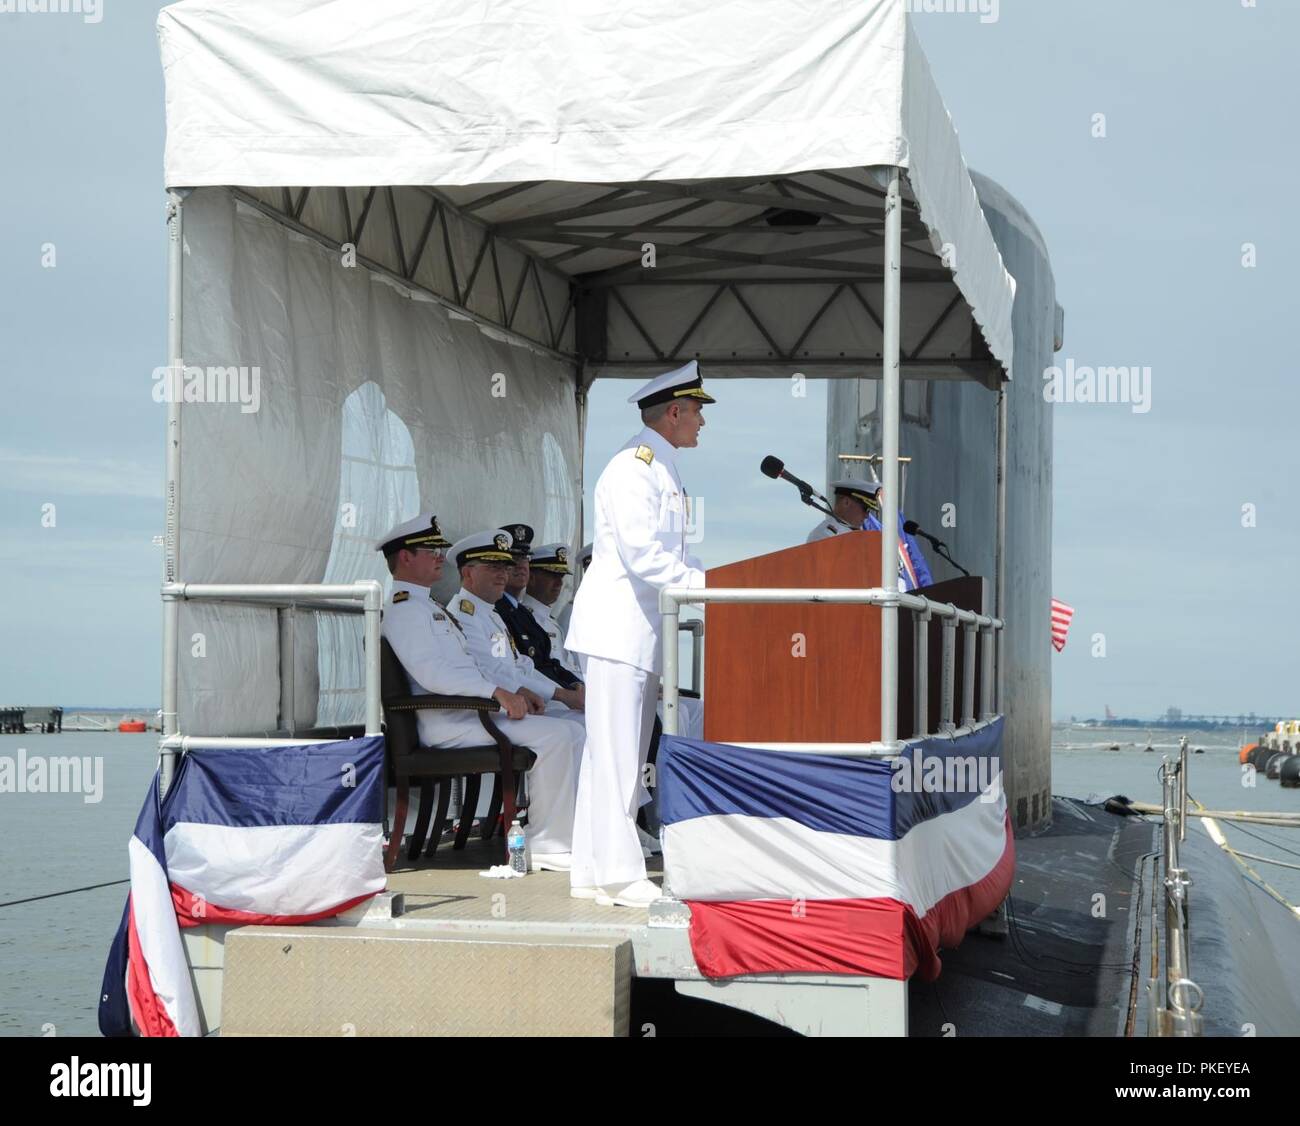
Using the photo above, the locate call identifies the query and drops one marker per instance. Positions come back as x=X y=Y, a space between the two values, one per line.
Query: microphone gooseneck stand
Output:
x=939 y=546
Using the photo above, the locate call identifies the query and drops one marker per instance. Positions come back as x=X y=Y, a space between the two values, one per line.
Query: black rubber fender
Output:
x=1288 y=772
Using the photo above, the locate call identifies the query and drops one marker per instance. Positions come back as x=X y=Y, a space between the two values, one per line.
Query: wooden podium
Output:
x=795 y=672
x=804 y=672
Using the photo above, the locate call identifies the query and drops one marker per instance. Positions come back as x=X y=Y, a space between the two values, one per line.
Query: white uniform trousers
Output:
x=620 y=714
x=553 y=780
x=562 y=711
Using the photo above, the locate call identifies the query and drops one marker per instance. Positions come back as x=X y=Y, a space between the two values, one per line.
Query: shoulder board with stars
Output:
x=401 y=596
x=467 y=607
x=645 y=453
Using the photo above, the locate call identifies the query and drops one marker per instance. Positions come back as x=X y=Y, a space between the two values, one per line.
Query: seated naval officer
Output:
x=547 y=570
x=530 y=635
x=852 y=505
x=913 y=571
x=584 y=561
x=433 y=651
x=483 y=560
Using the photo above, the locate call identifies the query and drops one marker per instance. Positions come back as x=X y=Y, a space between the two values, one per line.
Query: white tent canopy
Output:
x=538 y=194
x=604 y=126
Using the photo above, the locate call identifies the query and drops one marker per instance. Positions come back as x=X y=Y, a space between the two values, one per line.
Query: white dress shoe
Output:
x=584 y=892
x=649 y=842
x=552 y=862
x=639 y=893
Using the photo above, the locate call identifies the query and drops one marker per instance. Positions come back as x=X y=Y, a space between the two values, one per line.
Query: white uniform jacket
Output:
x=493 y=648
x=639 y=548
x=829 y=527
x=434 y=654
x=562 y=620
x=542 y=614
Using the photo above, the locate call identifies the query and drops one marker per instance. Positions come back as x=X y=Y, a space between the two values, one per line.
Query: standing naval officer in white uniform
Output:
x=639 y=548
x=432 y=649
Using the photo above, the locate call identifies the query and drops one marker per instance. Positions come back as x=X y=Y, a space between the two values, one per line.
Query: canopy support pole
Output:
x=581 y=393
x=1000 y=565
x=889 y=426
x=168 y=756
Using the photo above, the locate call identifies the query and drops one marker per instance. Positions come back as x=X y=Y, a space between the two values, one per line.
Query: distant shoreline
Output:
x=1257 y=723
x=143 y=709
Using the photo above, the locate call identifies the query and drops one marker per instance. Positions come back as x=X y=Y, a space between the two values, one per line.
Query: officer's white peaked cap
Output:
x=552 y=557
x=492 y=546
x=420 y=531
x=863 y=491
x=685 y=382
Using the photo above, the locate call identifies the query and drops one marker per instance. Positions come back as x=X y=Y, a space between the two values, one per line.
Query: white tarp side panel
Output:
x=379 y=475
x=365 y=404
x=228 y=666
x=950 y=207
x=440 y=92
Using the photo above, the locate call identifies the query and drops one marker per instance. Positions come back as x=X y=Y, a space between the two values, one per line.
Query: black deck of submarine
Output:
x=1076 y=958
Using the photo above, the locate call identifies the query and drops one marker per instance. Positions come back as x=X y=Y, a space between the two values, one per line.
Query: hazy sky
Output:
x=1145 y=228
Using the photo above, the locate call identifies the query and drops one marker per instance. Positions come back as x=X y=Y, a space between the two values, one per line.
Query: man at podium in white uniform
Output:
x=851 y=506
x=857 y=509
x=641 y=510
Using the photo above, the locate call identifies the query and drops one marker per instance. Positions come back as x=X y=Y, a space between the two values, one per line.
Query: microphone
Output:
x=775 y=468
x=912 y=528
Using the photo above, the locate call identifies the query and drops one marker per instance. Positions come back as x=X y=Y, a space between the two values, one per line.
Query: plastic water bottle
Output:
x=517 y=843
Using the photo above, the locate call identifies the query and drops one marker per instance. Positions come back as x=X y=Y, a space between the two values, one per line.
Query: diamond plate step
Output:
x=358 y=981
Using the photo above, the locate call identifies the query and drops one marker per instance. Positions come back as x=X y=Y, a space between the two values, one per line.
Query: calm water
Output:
x=1082 y=767
x=53 y=951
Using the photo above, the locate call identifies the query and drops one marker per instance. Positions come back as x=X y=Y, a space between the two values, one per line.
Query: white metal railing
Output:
x=365 y=597
x=695 y=627
x=925 y=610
x=1176 y=1001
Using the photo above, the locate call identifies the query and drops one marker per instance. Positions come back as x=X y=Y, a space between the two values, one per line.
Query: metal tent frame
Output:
x=510 y=258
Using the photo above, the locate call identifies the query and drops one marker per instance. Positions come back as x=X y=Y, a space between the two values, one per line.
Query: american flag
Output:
x=1061 y=615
